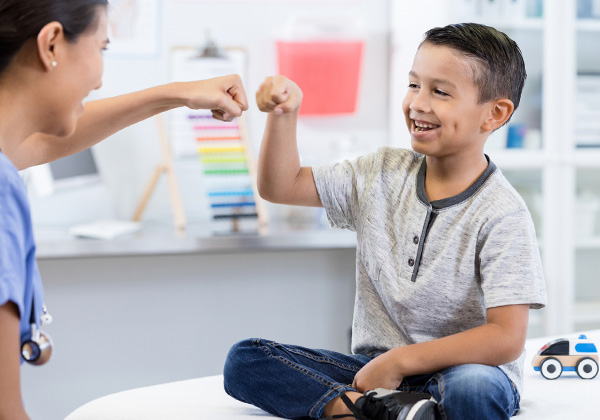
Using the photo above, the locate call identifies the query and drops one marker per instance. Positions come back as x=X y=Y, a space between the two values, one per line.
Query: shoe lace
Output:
x=356 y=413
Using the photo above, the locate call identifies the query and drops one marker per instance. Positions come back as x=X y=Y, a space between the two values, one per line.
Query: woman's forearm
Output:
x=101 y=119
x=104 y=117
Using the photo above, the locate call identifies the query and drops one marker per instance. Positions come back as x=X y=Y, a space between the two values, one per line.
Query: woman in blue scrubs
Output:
x=50 y=60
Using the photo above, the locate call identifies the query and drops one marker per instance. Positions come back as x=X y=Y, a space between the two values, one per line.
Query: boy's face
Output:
x=441 y=105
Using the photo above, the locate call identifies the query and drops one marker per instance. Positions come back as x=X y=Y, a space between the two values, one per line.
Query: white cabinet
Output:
x=559 y=181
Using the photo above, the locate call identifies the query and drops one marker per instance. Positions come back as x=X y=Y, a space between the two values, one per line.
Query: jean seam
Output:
x=319 y=359
x=331 y=385
x=515 y=393
x=341 y=388
x=516 y=399
x=442 y=391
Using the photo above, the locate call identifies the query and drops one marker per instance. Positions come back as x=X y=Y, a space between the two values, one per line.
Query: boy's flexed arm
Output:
x=281 y=179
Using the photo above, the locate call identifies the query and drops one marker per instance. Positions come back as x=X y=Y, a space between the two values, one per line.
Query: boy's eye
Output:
x=413 y=86
x=441 y=92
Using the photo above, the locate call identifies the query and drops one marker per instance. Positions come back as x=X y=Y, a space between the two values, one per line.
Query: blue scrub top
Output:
x=19 y=275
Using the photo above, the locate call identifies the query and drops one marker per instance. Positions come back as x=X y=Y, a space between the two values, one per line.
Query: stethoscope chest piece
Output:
x=38 y=349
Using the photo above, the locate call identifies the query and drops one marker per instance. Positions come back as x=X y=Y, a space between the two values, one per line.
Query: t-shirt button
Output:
x=416 y=240
x=411 y=262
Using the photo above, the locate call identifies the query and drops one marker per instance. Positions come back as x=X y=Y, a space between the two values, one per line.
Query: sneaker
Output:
x=384 y=404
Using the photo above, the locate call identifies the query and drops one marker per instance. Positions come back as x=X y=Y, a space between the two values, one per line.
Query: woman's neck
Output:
x=18 y=118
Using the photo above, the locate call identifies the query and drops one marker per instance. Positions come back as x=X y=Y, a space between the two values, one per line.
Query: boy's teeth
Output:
x=419 y=126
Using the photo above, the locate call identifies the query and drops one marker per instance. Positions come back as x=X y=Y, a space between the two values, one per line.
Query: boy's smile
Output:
x=419 y=127
x=441 y=105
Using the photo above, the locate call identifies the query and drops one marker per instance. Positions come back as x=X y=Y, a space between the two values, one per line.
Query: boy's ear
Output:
x=500 y=111
x=49 y=37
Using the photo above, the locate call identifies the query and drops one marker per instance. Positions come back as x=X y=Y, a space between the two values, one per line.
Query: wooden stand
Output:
x=166 y=167
x=260 y=204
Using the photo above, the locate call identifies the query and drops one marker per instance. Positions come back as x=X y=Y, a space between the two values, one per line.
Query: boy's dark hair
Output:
x=501 y=71
x=22 y=20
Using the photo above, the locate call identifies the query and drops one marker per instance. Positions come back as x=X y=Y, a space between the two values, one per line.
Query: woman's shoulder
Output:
x=11 y=183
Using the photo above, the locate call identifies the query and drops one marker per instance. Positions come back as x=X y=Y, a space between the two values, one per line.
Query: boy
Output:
x=447 y=259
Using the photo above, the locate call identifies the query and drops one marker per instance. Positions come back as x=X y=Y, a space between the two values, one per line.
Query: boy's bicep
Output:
x=510 y=317
x=305 y=190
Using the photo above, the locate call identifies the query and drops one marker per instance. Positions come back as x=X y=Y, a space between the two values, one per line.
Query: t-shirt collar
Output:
x=451 y=201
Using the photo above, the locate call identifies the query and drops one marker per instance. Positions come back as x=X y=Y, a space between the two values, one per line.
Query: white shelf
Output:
x=589 y=25
x=587 y=157
x=528 y=24
x=518 y=158
x=592 y=242
x=537 y=24
x=587 y=311
x=584 y=157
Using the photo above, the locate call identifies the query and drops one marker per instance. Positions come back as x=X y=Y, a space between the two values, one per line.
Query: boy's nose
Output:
x=420 y=103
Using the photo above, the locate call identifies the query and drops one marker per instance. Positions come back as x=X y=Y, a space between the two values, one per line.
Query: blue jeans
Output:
x=296 y=382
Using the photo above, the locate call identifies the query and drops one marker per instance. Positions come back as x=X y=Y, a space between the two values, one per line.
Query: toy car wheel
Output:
x=551 y=368
x=587 y=368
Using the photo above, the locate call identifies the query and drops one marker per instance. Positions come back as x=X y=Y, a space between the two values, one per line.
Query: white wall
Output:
x=127 y=159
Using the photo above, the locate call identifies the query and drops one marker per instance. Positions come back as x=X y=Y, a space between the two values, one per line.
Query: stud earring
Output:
x=54 y=64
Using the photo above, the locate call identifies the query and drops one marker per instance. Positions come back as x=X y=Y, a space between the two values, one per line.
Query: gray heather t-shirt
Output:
x=426 y=270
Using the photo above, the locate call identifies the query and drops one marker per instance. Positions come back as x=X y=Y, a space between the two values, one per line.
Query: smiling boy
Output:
x=447 y=259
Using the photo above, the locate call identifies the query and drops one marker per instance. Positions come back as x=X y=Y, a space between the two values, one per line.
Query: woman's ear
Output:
x=48 y=39
x=500 y=112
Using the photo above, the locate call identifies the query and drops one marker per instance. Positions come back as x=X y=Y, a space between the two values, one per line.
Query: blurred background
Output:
x=150 y=304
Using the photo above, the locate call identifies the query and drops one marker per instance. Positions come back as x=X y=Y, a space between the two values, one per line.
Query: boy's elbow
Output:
x=510 y=349
x=509 y=325
x=266 y=193
x=512 y=353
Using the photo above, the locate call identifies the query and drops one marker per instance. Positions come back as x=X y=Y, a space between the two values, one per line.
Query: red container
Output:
x=328 y=72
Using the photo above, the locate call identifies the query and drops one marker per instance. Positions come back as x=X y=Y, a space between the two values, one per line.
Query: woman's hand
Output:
x=224 y=96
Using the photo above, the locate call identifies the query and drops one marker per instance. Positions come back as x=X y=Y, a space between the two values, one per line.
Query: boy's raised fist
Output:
x=279 y=95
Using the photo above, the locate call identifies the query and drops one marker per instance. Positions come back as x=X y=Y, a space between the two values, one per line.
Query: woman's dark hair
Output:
x=22 y=20
x=500 y=72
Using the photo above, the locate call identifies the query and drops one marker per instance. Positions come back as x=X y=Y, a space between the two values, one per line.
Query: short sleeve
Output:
x=13 y=252
x=340 y=187
x=511 y=268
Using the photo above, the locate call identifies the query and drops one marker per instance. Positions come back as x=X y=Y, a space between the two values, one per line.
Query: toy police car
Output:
x=561 y=355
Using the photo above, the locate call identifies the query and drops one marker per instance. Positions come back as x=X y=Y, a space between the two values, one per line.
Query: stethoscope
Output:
x=38 y=349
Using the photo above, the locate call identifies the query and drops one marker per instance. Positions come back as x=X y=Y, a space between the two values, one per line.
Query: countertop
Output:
x=153 y=239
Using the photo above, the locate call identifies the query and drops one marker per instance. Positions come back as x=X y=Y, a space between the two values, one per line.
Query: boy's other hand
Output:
x=224 y=96
x=279 y=95
x=381 y=372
